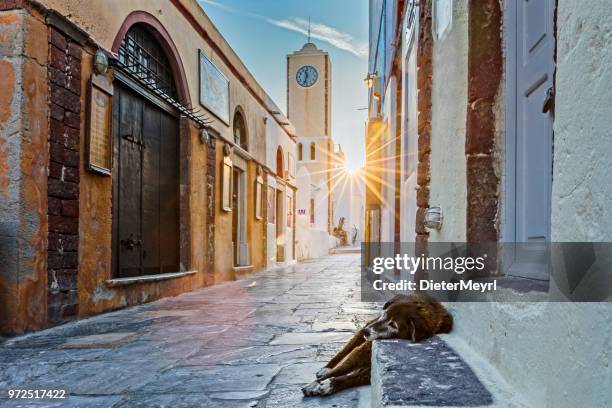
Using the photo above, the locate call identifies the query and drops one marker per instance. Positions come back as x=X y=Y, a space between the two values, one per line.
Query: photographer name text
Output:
x=406 y=285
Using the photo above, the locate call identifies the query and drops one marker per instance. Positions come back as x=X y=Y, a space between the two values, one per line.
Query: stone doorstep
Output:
x=406 y=374
x=147 y=278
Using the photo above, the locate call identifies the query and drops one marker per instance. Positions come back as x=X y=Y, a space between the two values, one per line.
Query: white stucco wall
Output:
x=312 y=241
x=448 y=186
x=553 y=354
x=409 y=137
x=275 y=136
x=386 y=164
x=581 y=190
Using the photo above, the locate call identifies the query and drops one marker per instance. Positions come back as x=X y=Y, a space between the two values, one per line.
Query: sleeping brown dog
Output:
x=414 y=317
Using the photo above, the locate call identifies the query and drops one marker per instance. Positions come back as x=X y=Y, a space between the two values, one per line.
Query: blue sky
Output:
x=263 y=32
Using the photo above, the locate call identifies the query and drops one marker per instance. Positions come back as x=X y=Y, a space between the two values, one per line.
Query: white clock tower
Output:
x=309 y=110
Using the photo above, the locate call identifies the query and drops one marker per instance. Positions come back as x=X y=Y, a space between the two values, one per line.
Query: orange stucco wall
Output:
x=23 y=167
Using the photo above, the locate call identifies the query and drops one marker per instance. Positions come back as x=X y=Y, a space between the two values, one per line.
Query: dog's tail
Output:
x=447 y=323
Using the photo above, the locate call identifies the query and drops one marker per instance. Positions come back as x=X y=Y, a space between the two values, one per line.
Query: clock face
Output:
x=307 y=76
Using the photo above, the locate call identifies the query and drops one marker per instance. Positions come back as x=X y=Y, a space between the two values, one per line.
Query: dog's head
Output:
x=397 y=321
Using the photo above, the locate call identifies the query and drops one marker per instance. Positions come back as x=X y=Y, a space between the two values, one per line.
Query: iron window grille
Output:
x=142 y=59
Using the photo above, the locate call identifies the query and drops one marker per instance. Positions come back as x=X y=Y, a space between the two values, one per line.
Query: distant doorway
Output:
x=280 y=239
x=239 y=245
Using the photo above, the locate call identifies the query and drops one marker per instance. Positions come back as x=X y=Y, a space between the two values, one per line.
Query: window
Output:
x=313 y=149
x=240 y=133
x=300 y=152
x=290 y=165
x=142 y=54
x=443 y=16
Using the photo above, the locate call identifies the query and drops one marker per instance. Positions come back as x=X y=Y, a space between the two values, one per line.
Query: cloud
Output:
x=325 y=33
x=330 y=35
x=219 y=5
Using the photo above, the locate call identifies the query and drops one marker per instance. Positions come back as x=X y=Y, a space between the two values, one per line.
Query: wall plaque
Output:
x=214 y=89
x=99 y=119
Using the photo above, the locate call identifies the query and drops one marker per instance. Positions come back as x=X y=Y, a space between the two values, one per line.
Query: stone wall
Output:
x=485 y=66
x=211 y=177
x=63 y=183
x=424 y=85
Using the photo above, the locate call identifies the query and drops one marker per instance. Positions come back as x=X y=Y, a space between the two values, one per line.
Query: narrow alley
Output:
x=203 y=201
x=247 y=343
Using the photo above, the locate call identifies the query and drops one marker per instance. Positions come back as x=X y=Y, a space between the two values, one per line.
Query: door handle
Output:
x=131 y=243
x=549 y=101
x=138 y=142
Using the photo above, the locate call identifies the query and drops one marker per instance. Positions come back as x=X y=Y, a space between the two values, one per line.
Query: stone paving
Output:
x=250 y=343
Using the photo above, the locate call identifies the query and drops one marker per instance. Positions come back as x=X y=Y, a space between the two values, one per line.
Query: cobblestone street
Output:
x=249 y=343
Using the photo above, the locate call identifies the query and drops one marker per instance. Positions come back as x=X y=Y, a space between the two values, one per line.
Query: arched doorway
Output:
x=146 y=149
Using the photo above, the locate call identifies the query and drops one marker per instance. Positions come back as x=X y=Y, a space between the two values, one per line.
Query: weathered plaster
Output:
x=581 y=191
x=448 y=185
x=23 y=163
x=224 y=264
x=255 y=227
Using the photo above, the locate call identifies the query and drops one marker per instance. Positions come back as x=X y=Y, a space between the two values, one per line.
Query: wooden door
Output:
x=531 y=164
x=145 y=187
x=280 y=239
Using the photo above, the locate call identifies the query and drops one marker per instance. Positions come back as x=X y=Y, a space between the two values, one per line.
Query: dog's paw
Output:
x=323 y=373
x=318 y=388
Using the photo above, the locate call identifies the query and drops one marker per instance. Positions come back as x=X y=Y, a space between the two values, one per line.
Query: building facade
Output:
x=491 y=112
x=134 y=147
x=281 y=190
x=309 y=84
